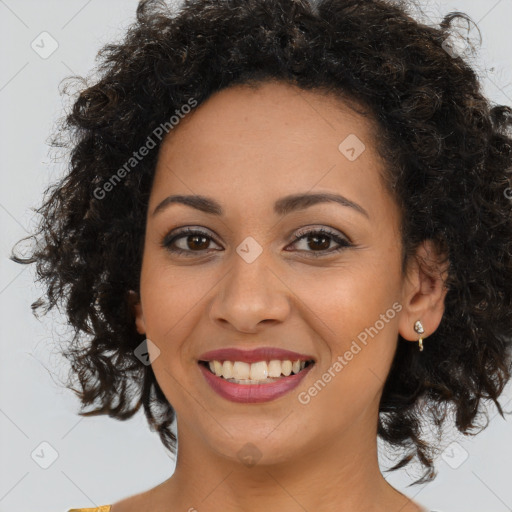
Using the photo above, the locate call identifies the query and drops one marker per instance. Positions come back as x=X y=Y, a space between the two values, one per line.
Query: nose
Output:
x=250 y=294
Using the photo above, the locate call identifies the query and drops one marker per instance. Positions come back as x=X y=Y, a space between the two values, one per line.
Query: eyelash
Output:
x=186 y=232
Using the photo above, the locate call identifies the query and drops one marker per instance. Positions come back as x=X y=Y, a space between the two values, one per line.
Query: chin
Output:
x=266 y=443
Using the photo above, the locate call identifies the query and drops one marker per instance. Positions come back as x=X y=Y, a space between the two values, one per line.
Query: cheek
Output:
x=172 y=296
x=361 y=344
x=341 y=302
x=355 y=312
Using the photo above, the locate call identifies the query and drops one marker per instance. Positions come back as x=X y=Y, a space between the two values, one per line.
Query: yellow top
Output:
x=103 y=508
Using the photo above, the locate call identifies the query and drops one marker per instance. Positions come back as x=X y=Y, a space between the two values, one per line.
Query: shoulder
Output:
x=136 y=503
x=155 y=499
x=130 y=504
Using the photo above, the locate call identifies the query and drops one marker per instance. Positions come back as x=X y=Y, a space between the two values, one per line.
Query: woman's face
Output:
x=246 y=282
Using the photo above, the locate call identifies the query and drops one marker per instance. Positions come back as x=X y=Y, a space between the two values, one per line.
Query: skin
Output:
x=246 y=148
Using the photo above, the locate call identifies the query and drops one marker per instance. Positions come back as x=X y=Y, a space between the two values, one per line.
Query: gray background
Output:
x=98 y=460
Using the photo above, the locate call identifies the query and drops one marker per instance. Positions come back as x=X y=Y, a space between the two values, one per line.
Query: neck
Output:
x=343 y=476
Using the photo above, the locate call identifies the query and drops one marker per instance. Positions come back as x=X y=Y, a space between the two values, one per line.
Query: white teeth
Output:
x=249 y=373
x=259 y=371
x=286 y=368
x=217 y=367
x=274 y=368
x=241 y=370
x=227 y=369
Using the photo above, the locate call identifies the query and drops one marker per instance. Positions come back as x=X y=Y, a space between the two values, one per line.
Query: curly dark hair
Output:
x=449 y=156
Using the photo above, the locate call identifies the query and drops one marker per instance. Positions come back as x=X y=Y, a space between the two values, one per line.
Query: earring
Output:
x=418 y=327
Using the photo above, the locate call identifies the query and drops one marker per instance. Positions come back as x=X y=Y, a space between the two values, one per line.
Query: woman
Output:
x=286 y=227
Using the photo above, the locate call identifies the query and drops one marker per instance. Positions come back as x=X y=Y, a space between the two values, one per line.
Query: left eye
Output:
x=198 y=241
x=319 y=237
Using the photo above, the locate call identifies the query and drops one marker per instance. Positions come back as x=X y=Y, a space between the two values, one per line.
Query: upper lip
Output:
x=253 y=355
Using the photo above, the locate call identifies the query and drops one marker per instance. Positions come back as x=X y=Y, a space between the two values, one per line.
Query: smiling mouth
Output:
x=260 y=372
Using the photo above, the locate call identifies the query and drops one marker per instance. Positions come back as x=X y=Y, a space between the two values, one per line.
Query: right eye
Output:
x=198 y=240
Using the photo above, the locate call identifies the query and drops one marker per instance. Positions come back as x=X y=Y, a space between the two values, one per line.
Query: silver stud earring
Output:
x=418 y=327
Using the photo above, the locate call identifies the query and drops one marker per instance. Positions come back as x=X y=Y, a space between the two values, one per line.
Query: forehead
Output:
x=276 y=138
x=257 y=112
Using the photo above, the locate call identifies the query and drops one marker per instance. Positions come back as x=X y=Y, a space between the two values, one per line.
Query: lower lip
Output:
x=253 y=393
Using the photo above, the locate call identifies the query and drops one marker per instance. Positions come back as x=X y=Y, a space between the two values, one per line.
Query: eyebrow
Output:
x=282 y=206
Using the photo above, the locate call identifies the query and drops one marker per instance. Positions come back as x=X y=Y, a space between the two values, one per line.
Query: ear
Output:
x=136 y=309
x=423 y=291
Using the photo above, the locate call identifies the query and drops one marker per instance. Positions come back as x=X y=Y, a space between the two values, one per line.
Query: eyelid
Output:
x=186 y=230
x=321 y=228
